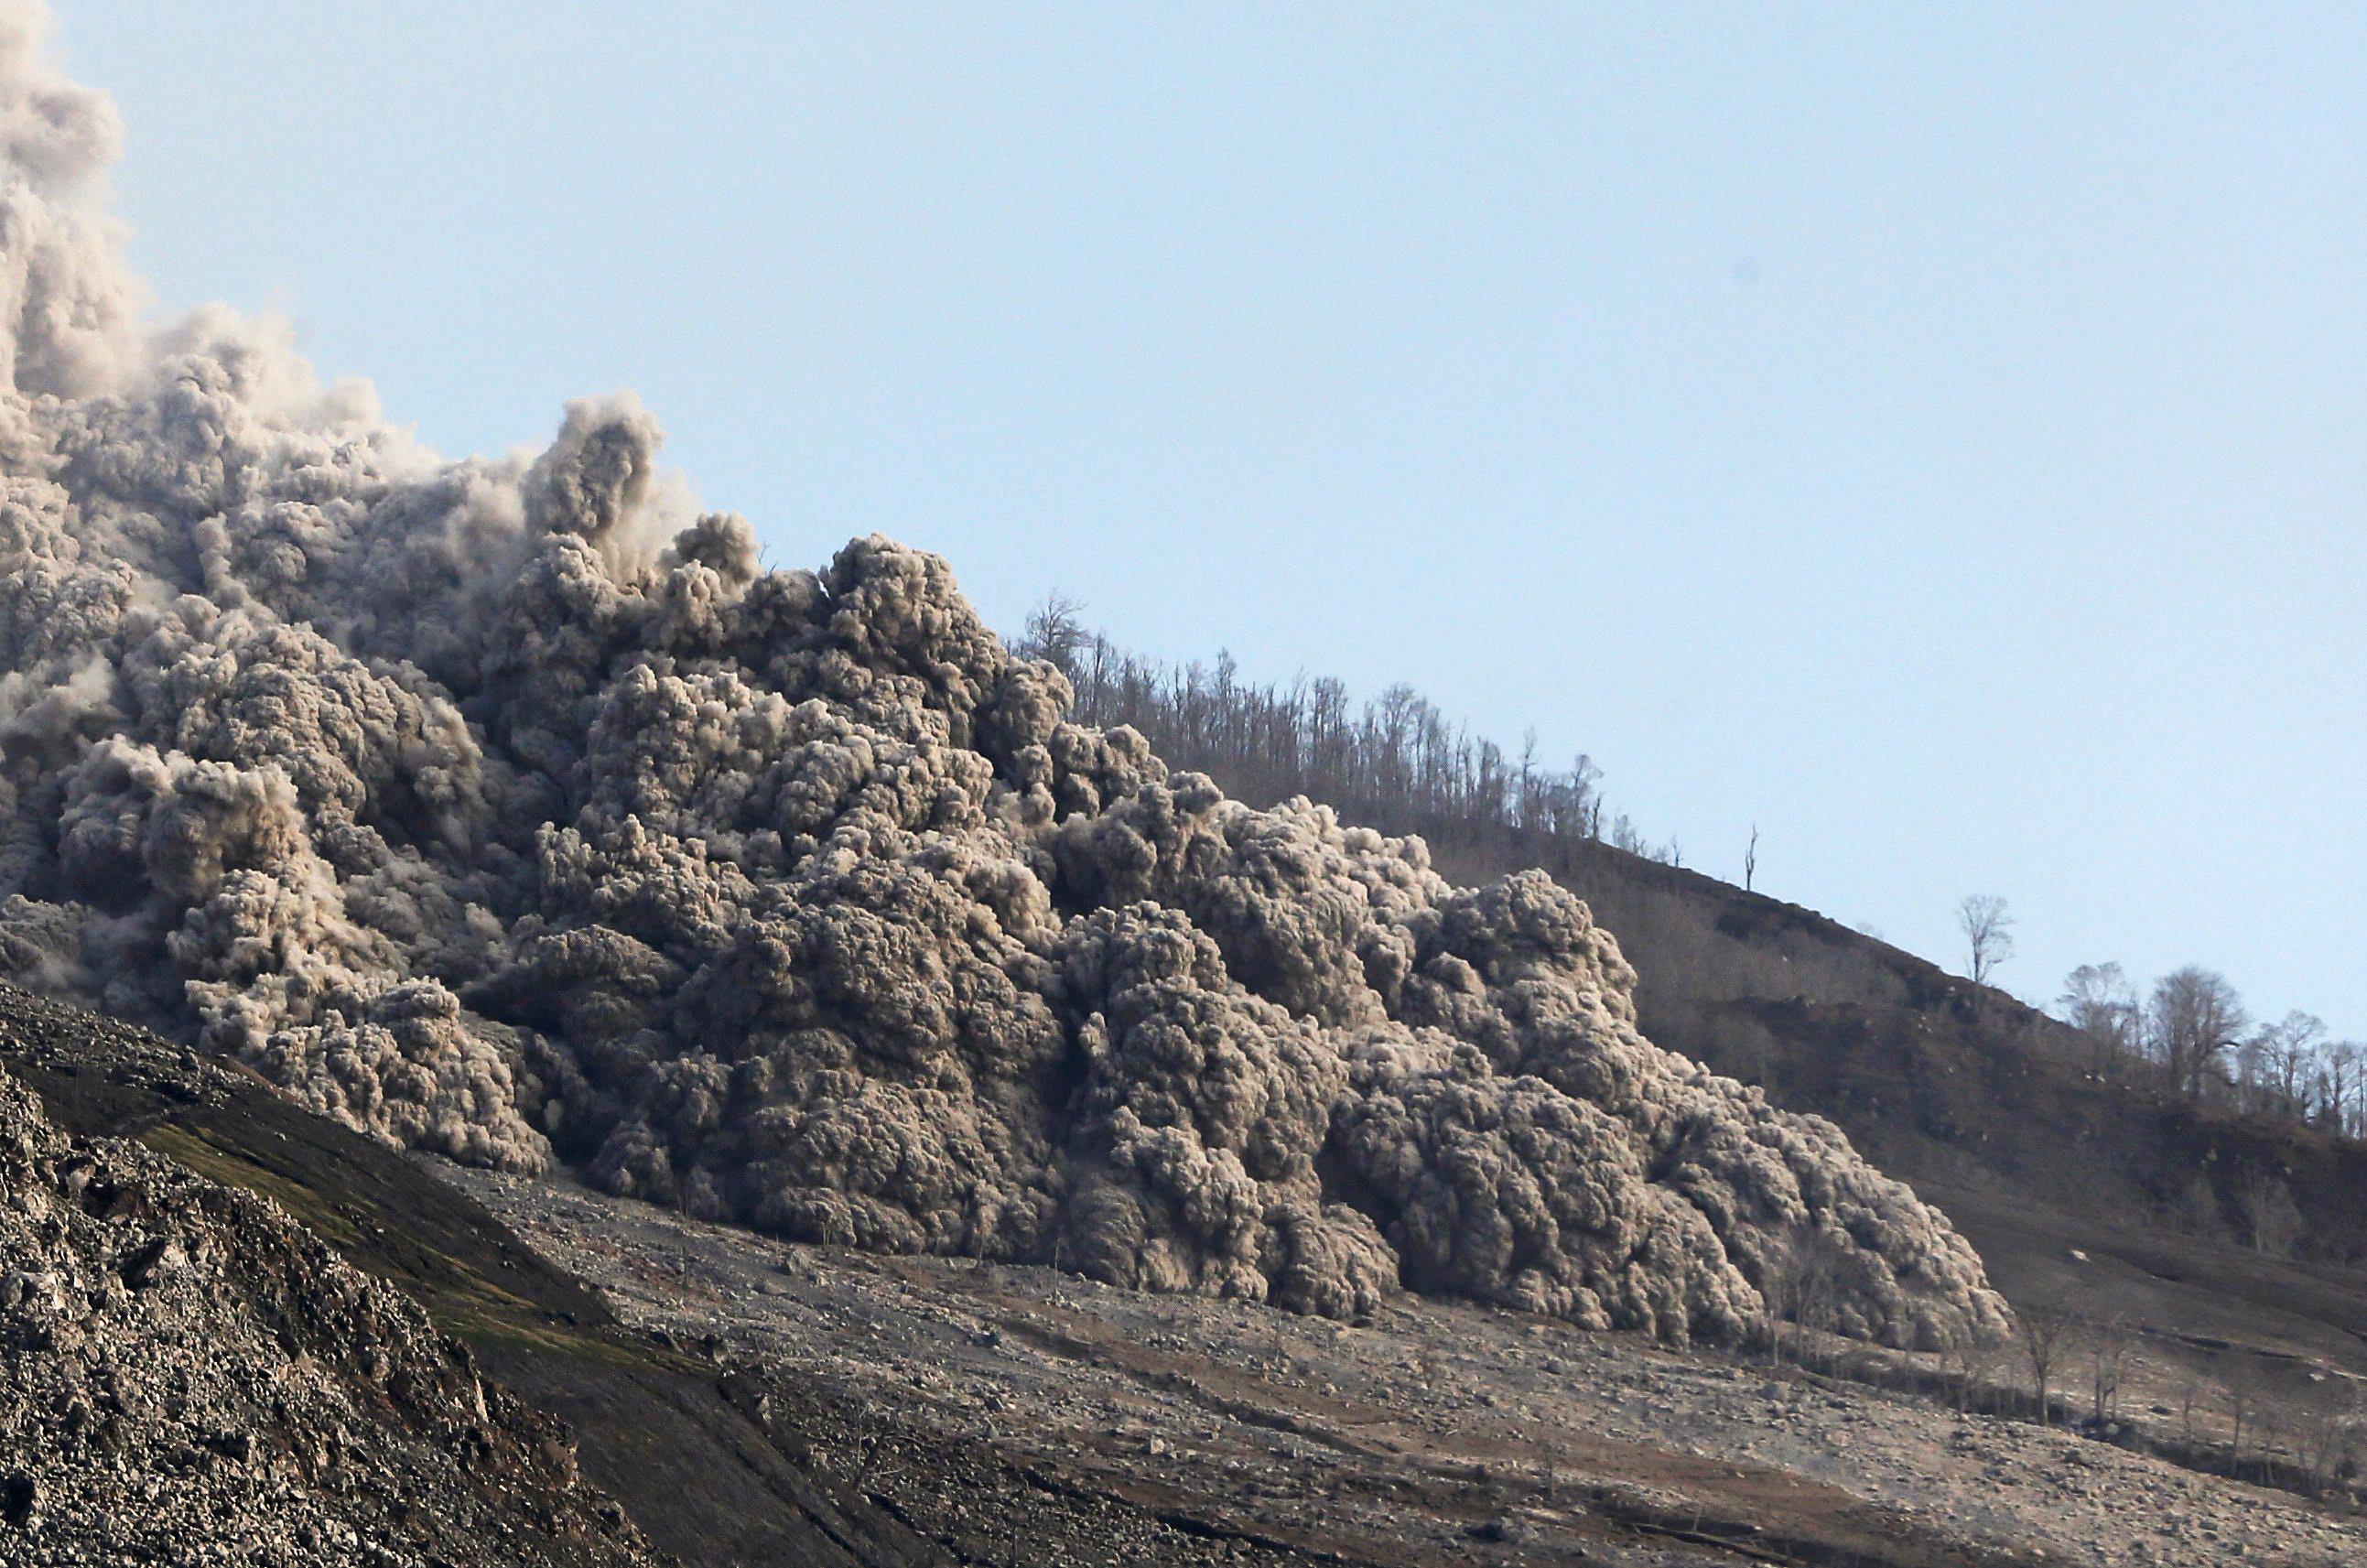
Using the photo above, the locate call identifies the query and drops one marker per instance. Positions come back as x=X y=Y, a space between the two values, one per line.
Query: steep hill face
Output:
x=1942 y=1080
x=768 y=1402
x=509 y=809
x=187 y=1375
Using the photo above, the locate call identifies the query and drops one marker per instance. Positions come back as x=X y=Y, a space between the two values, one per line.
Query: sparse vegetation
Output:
x=1709 y=964
x=2192 y=1037
x=1395 y=762
x=1988 y=925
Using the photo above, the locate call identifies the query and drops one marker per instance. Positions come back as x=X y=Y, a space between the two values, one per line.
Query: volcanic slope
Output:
x=1437 y=1432
x=400 y=1375
x=187 y=1375
x=765 y=1402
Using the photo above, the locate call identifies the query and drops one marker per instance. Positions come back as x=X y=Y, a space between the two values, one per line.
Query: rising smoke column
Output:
x=509 y=808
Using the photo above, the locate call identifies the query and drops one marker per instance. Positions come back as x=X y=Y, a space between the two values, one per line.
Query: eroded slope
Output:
x=186 y=1375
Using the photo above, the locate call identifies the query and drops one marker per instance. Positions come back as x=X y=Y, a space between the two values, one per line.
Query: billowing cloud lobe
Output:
x=509 y=808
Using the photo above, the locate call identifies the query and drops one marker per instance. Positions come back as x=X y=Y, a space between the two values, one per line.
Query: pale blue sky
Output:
x=1934 y=437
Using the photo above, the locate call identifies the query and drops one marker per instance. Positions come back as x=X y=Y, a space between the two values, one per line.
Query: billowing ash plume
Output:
x=509 y=808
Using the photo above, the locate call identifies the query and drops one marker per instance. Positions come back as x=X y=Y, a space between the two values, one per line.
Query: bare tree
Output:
x=1971 y=1359
x=866 y=1438
x=2108 y=1346
x=2248 y=1072
x=2189 y=1394
x=1988 y=926
x=2099 y=1001
x=2267 y=1429
x=2239 y=1377
x=2046 y=1329
x=2192 y=1020
x=2339 y=1109
x=1750 y=860
x=1626 y=836
x=2271 y=1219
x=2330 y=1424
x=1585 y=797
x=2286 y=1050
x=1056 y=632
x=1799 y=1290
x=1394 y=762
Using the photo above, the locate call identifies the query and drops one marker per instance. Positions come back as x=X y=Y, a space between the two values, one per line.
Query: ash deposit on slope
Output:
x=509 y=808
x=187 y=1376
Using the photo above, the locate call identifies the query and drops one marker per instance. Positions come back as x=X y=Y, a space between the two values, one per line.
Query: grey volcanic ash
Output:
x=509 y=809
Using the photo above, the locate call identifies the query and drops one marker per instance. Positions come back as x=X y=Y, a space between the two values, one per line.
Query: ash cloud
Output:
x=509 y=809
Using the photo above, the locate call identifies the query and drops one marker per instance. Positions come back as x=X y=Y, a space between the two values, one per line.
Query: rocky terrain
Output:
x=1433 y=1432
x=653 y=1448
x=188 y=1376
x=732 y=1399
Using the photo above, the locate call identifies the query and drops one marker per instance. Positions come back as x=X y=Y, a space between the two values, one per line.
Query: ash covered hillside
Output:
x=187 y=1376
x=507 y=809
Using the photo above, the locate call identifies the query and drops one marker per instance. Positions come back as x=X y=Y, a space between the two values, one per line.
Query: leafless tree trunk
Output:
x=2239 y=1376
x=1971 y=1358
x=2099 y=1001
x=2271 y=1218
x=2108 y=1352
x=1799 y=1291
x=2045 y=1330
x=1988 y=926
x=2330 y=1434
x=1056 y=632
x=2268 y=1425
x=2194 y=1019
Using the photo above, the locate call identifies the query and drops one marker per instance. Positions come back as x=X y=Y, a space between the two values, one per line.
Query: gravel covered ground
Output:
x=189 y=1377
x=1435 y=1433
